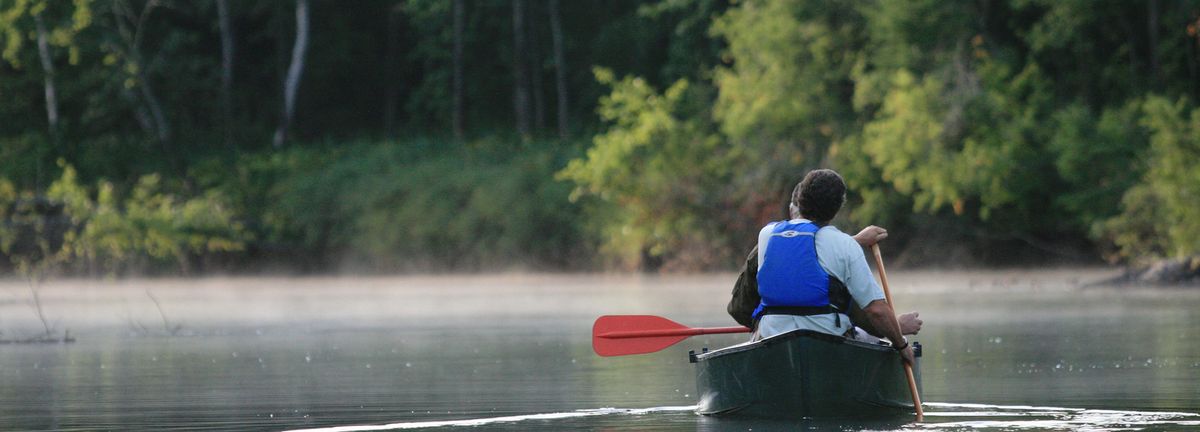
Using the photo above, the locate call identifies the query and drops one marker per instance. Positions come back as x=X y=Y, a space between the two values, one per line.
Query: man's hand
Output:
x=870 y=235
x=910 y=323
x=881 y=317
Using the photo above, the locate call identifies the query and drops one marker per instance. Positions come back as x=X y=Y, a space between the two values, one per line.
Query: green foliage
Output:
x=388 y=207
x=785 y=91
x=63 y=23
x=691 y=53
x=1159 y=216
x=656 y=175
x=906 y=141
x=1097 y=158
x=433 y=19
x=8 y=196
x=150 y=226
x=33 y=238
x=949 y=123
x=252 y=184
x=171 y=229
x=1030 y=120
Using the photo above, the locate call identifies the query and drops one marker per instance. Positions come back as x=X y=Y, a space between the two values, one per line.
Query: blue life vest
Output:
x=791 y=280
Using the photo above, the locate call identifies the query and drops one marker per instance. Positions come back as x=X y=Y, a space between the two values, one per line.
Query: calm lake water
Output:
x=1005 y=350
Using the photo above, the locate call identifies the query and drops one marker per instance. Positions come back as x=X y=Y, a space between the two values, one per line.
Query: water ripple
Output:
x=974 y=417
x=505 y=419
x=1054 y=418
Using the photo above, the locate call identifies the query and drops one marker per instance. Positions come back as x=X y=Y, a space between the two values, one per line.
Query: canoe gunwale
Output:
x=784 y=337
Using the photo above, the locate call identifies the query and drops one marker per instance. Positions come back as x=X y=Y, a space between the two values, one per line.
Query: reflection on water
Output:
x=441 y=352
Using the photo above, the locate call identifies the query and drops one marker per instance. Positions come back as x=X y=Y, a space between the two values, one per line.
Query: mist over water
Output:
x=1004 y=350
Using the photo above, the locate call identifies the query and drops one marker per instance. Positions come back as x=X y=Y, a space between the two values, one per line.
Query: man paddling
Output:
x=806 y=274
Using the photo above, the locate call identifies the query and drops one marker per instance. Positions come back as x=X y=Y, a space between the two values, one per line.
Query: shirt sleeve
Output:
x=855 y=272
x=764 y=236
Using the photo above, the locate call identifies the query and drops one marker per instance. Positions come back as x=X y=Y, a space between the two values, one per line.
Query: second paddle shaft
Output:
x=887 y=293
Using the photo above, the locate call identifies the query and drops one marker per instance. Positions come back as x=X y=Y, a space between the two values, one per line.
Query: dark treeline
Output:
x=157 y=71
x=187 y=136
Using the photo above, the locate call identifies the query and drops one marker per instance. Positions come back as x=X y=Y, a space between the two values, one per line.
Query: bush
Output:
x=150 y=229
x=656 y=182
x=420 y=205
x=1160 y=218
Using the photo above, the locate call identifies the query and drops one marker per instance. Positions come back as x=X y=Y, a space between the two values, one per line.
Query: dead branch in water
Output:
x=42 y=339
x=171 y=328
x=37 y=305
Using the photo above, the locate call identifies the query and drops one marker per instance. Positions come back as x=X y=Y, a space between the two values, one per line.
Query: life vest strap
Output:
x=803 y=311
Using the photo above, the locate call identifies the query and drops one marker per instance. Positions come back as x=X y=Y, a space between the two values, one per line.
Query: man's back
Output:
x=841 y=257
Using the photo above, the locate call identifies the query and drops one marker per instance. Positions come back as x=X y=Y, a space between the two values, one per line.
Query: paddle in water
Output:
x=617 y=335
x=912 y=382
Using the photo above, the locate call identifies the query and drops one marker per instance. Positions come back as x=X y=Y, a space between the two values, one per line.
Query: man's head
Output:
x=819 y=196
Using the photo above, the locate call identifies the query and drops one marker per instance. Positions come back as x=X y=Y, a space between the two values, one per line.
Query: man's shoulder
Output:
x=769 y=227
x=833 y=234
x=832 y=239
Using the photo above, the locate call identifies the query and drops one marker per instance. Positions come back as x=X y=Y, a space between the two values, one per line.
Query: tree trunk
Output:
x=535 y=76
x=520 y=75
x=292 y=83
x=1192 y=52
x=43 y=45
x=226 y=26
x=139 y=112
x=391 y=92
x=560 y=68
x=1132 y=41
x=459 y=24
x=162 y=128
x=1152 y=27
x=125 y=17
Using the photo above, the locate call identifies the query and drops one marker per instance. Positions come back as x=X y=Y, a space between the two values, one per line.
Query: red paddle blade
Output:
x=616 y=335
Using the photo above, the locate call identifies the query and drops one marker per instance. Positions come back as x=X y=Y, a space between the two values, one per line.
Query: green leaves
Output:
x=150 y=226
x=422 y=206
x=1099 y=157
x=788 y=64
x=654 y=175
x=1164 y=203
x=64 y=21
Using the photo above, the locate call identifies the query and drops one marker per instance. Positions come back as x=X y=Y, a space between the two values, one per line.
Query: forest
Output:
x=164 y=137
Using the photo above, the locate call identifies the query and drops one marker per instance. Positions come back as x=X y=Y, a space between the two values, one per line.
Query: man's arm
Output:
x=910 y=323
x=870 y=235
x=879 y=313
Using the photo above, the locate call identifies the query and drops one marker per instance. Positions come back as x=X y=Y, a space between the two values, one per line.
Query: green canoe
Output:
x=804 y=374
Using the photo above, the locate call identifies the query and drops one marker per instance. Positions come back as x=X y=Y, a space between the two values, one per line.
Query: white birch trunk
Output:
x=292 y=83
x=43 y=45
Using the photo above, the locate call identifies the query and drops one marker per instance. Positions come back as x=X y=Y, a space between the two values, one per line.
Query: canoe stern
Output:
x=803 y=374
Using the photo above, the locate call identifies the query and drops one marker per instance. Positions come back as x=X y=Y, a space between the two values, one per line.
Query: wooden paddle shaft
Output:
x=887 y=293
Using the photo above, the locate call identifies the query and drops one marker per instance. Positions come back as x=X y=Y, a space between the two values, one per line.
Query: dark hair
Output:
x=820 y=195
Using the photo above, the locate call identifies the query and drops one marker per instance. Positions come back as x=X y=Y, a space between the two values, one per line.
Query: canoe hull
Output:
x=803 y=374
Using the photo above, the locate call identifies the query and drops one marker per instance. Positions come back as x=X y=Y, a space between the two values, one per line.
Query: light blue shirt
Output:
x=841 y=257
